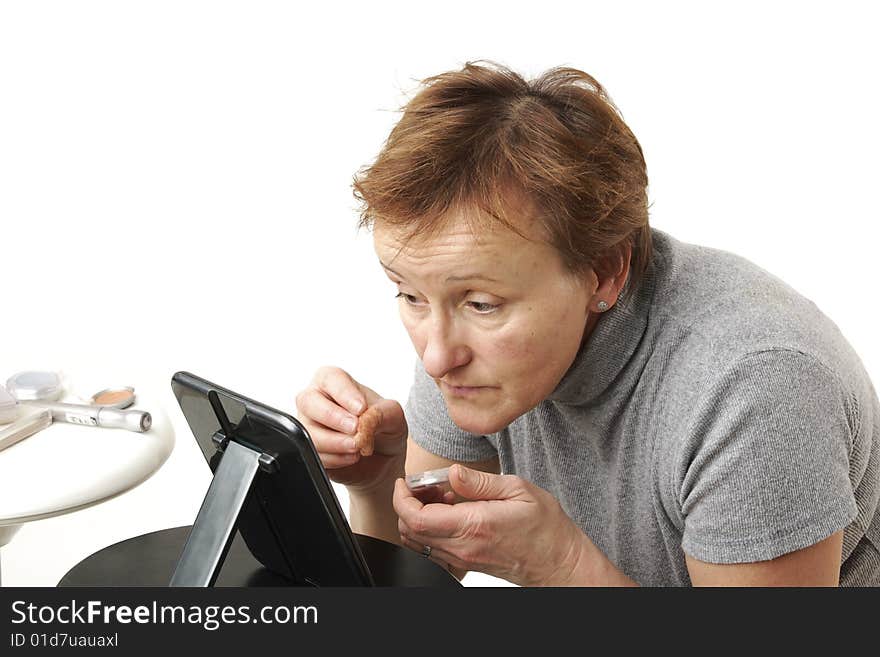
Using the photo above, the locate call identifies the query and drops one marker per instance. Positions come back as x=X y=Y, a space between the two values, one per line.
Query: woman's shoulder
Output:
x=716 y=307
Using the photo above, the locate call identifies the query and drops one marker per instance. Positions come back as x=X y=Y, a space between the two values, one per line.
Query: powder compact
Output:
x=43 y=386
x=114 y=397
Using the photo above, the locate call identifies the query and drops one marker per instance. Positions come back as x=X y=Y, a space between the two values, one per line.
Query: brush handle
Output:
x=96 y=416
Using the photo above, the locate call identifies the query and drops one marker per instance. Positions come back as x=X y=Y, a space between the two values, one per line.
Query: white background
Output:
x=175 y=185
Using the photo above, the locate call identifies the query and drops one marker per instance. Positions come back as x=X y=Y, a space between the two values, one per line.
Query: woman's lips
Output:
x=464 y=391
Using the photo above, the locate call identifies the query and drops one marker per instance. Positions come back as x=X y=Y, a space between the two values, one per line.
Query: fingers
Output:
x=338 y=385
x=476 y=485
x=441 y=548
x=438 y=555
x=332 y=409
x=426 y=520
x=333 y=461
x=330 y=425
x=438 y=525
x=431 y=495
x=315 y=407
x=330 y=429
x=390 y=434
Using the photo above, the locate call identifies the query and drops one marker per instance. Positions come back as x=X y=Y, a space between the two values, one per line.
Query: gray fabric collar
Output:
x=614 y=340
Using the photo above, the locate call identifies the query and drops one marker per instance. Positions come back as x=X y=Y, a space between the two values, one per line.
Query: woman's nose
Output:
x=443 y=350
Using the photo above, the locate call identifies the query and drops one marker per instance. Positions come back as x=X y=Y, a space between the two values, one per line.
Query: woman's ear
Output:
x=611 y=281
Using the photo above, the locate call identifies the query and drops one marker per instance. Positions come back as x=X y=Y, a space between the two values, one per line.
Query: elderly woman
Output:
x=621 y=407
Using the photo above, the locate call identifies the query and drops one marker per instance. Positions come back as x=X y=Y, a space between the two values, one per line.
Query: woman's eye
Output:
x=482 y=307
x=410 y=299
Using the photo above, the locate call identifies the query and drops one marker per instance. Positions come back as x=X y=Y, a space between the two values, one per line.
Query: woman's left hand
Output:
x=505 y=527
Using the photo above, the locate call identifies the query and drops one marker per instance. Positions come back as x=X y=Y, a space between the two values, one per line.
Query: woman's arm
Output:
x=817 y=565
x=371 y=512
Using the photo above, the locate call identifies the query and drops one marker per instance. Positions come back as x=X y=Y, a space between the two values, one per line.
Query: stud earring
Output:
x=602 y=306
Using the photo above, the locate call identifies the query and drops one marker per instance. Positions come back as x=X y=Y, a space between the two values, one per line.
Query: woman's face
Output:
x=495 y=318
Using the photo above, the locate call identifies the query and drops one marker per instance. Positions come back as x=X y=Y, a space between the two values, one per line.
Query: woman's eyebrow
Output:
x=464 y=277
x=389 y=269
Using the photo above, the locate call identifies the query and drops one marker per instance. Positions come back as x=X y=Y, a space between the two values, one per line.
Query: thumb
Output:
x=479 y=485
x=392 y=421
x=391 y=430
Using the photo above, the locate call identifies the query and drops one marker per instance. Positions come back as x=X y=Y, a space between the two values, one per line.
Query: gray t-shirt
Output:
x=713 y=411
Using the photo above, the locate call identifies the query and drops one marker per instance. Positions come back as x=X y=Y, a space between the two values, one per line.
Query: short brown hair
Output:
x=483 y=136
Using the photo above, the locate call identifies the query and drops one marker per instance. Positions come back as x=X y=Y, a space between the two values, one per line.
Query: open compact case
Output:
x=113 y=397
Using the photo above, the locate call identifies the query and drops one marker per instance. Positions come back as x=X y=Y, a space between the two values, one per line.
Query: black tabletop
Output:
x=149 y=560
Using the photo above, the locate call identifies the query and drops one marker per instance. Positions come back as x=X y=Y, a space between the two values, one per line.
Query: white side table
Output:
x=68 y=467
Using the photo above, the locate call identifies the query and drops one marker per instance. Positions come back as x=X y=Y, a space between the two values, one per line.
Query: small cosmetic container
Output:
x=113 y=397
x=45 y=386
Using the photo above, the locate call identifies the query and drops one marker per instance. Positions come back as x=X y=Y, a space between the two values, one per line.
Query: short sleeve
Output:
x=766 y=460
x=431 y=427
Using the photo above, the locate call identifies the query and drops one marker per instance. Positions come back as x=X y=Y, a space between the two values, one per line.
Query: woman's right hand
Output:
x=329 y=408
